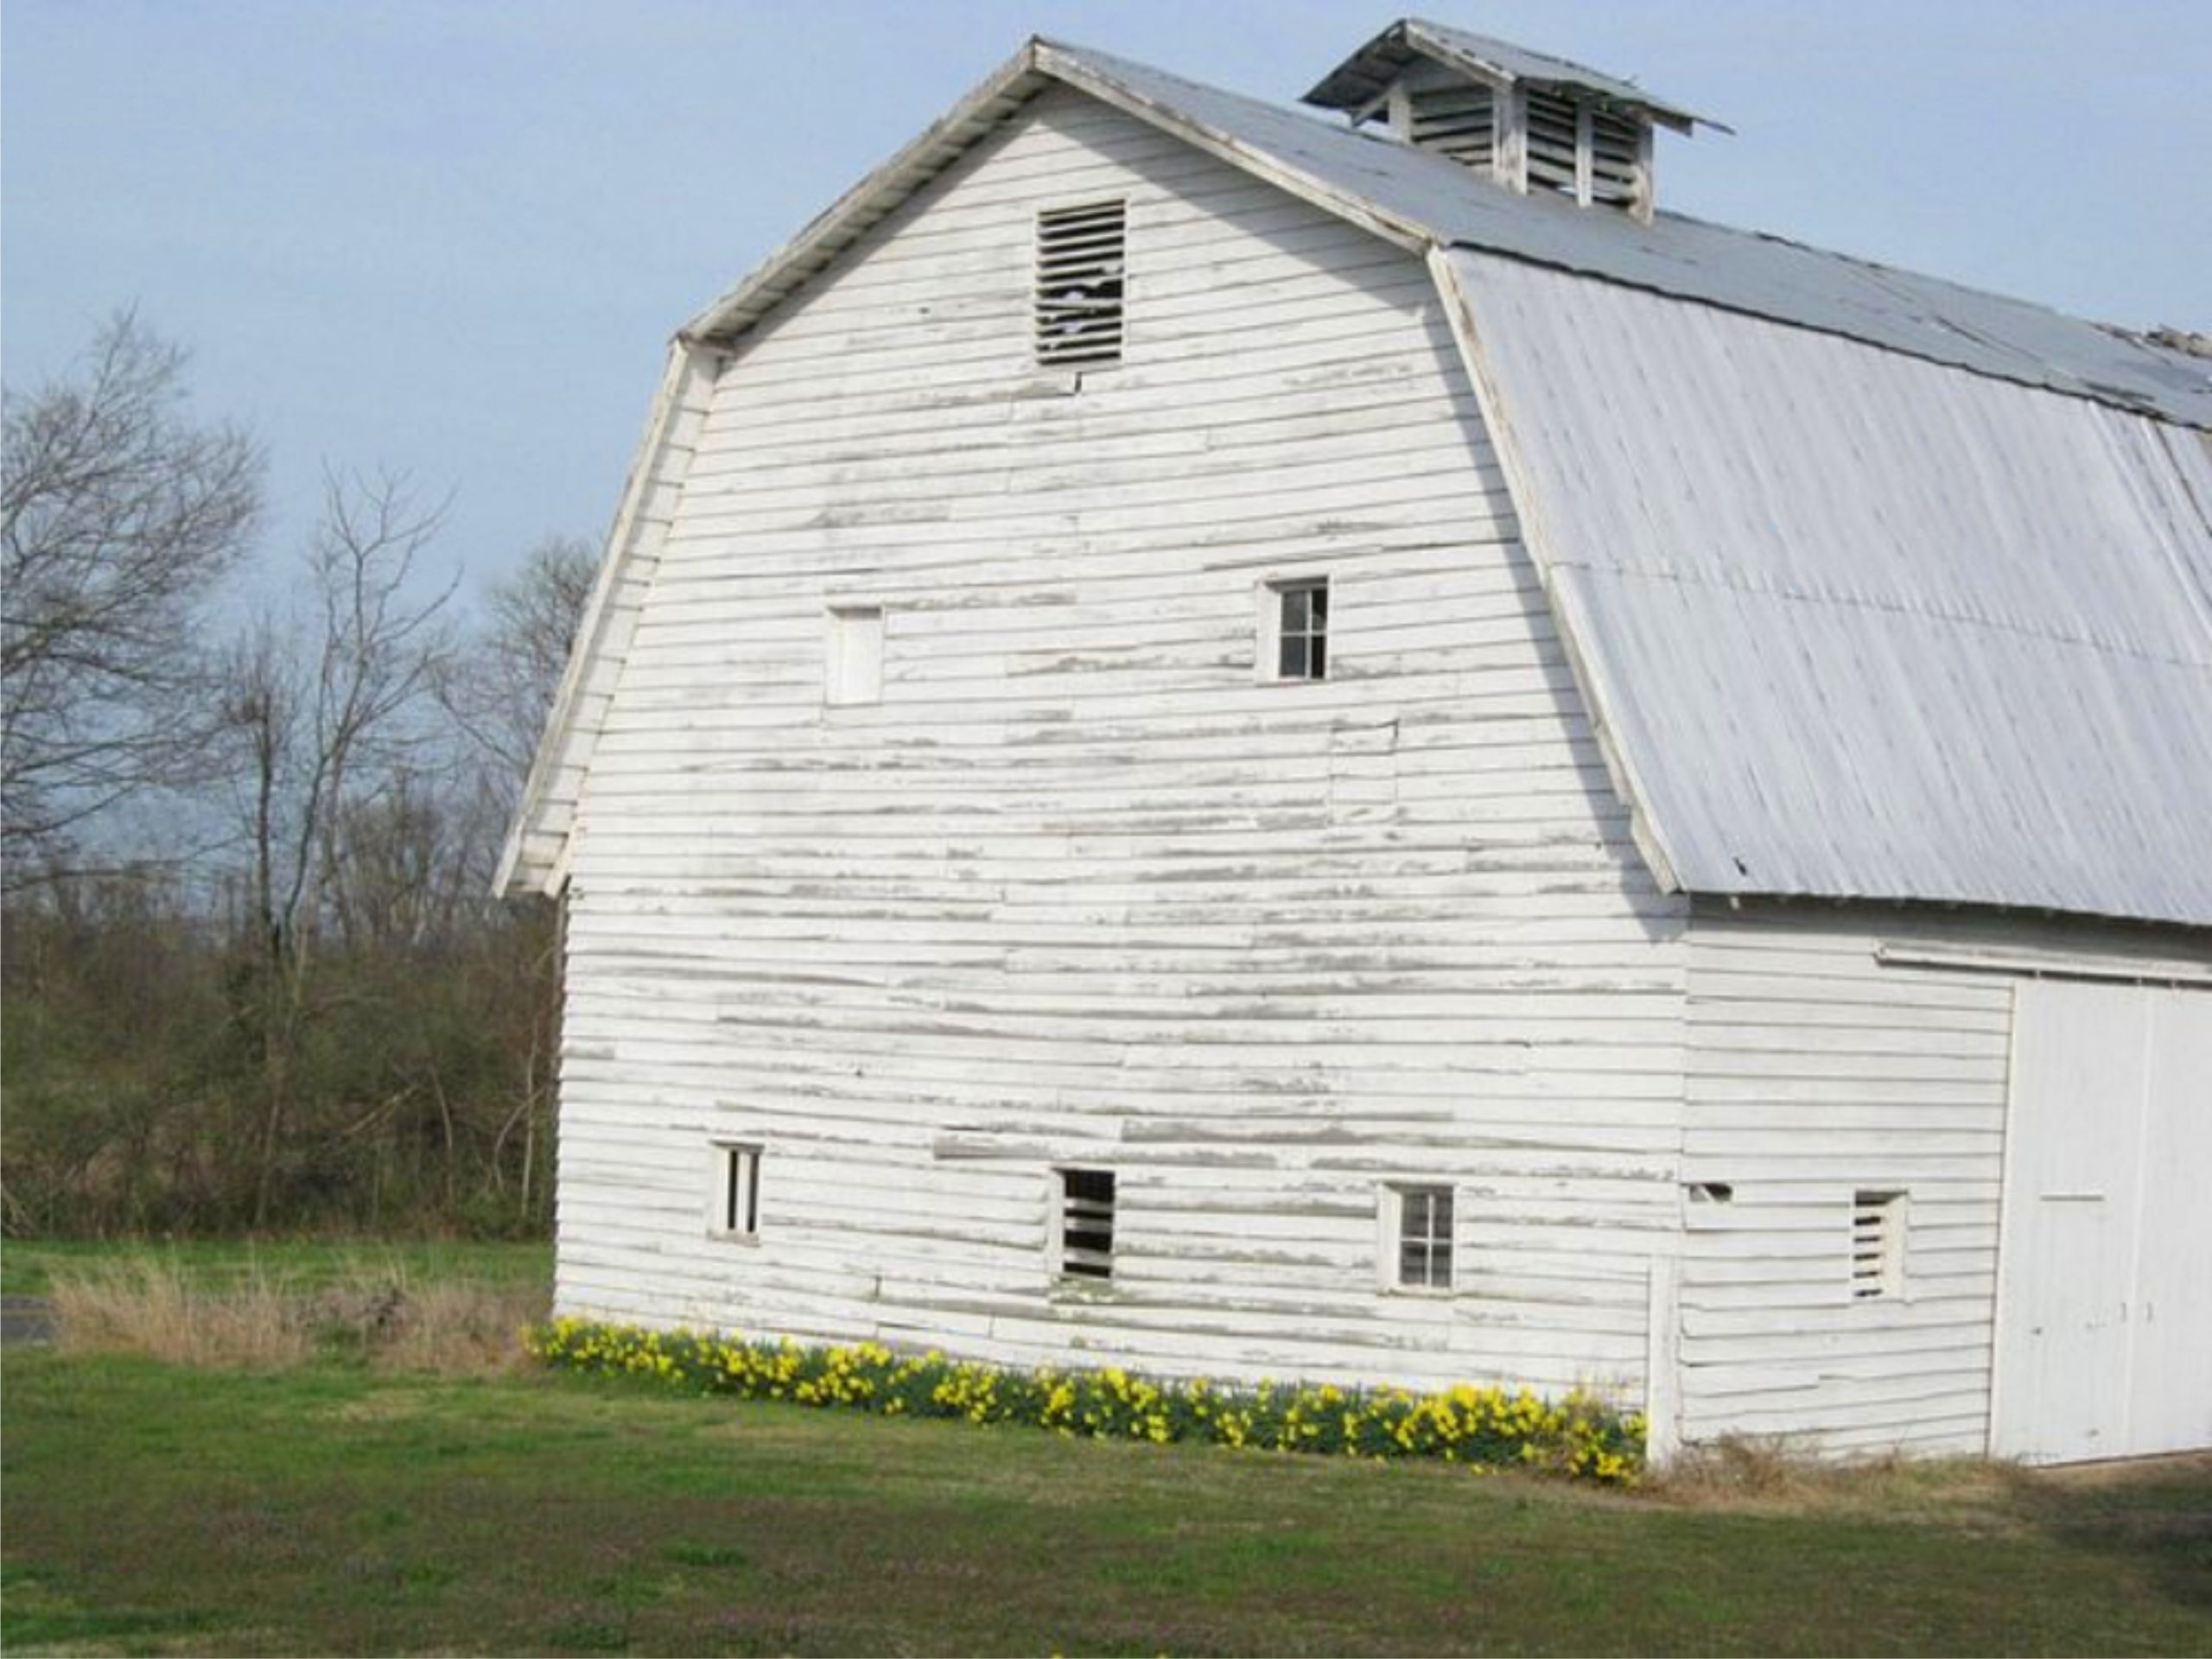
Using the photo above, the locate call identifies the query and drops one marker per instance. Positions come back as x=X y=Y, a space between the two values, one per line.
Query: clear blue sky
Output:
x=453 y=237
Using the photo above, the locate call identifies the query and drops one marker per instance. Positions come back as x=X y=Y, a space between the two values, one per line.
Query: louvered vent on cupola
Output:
x=1552 y=124
x=1459 y=121
x=1529 y=122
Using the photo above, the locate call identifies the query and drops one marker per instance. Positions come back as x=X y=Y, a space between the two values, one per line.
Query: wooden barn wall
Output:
x=1816 y=1070
x=1082 y=889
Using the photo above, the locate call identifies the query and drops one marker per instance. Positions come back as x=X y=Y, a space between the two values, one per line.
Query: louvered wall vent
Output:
x=1081 y=283
x=1877 y=1245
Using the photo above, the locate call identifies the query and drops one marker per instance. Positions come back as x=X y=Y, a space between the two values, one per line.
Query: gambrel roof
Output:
x=1877 y=587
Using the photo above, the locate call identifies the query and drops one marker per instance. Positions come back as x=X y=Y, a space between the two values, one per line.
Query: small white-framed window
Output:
x=852 y=666
x=1294 y=629
x=1878 y=1228
x=734 y=1189
x=1084 y=1248
x=1417 y=1223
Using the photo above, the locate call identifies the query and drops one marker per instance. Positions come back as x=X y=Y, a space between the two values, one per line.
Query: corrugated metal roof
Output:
x=1354 y=82
x=1766 y=276
x=1857 y=625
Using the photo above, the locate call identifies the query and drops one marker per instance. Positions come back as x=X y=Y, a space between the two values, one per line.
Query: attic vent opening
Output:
x=1081 y=279
x=1460 y=122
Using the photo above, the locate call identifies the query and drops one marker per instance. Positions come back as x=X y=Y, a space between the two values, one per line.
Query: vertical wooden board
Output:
x=2072 y=1147
x=2170 y=1394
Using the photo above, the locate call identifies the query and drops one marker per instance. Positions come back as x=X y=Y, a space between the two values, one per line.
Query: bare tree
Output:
x=332 y=716
x=499 y=696
x=118 y=516
x=502 y=692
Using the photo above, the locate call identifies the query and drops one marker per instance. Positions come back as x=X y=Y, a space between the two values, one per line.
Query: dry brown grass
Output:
x=1775 y=1477
x=261 y=1321
x=151 y=1307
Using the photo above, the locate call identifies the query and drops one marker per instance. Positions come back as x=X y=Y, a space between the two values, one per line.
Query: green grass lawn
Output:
x=149 y=1509
x=28 y=1266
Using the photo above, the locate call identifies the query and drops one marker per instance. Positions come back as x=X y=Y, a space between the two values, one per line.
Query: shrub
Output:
x=1485 y=1429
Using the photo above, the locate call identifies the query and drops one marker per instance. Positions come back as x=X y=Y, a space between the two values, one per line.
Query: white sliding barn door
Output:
x=2104 y=1341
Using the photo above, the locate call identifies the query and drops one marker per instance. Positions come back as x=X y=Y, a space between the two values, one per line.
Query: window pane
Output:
x=1292 y=663
x=1317 y=659
x=1297 y=609
x=1321 y=605
x=1425 y=1236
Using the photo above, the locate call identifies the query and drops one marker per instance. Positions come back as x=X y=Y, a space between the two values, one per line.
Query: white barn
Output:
x=1230 y=741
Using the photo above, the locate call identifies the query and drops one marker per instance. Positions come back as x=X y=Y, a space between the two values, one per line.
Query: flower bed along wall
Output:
x=1485 y=1429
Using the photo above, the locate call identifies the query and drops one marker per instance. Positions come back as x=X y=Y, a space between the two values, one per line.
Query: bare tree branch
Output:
x=118 y=516
x=501 y=691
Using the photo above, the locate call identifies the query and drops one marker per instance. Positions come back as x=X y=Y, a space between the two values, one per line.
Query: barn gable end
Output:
x=1083 y=887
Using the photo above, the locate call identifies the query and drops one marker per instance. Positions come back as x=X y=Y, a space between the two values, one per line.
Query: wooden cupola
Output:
x=1526 y=120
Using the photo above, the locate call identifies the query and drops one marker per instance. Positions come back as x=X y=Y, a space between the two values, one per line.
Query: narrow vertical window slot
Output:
x=1301 y=629
x=733 y=1191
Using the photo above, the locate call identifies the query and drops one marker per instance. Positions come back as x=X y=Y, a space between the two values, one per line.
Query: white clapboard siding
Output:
x=1084 y=888
x=1819 y=1064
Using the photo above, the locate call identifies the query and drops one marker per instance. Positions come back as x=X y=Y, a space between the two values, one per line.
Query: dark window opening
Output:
x=1087 y=1222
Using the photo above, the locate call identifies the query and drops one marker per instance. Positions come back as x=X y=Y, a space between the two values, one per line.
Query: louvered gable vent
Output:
x=1081 y=283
